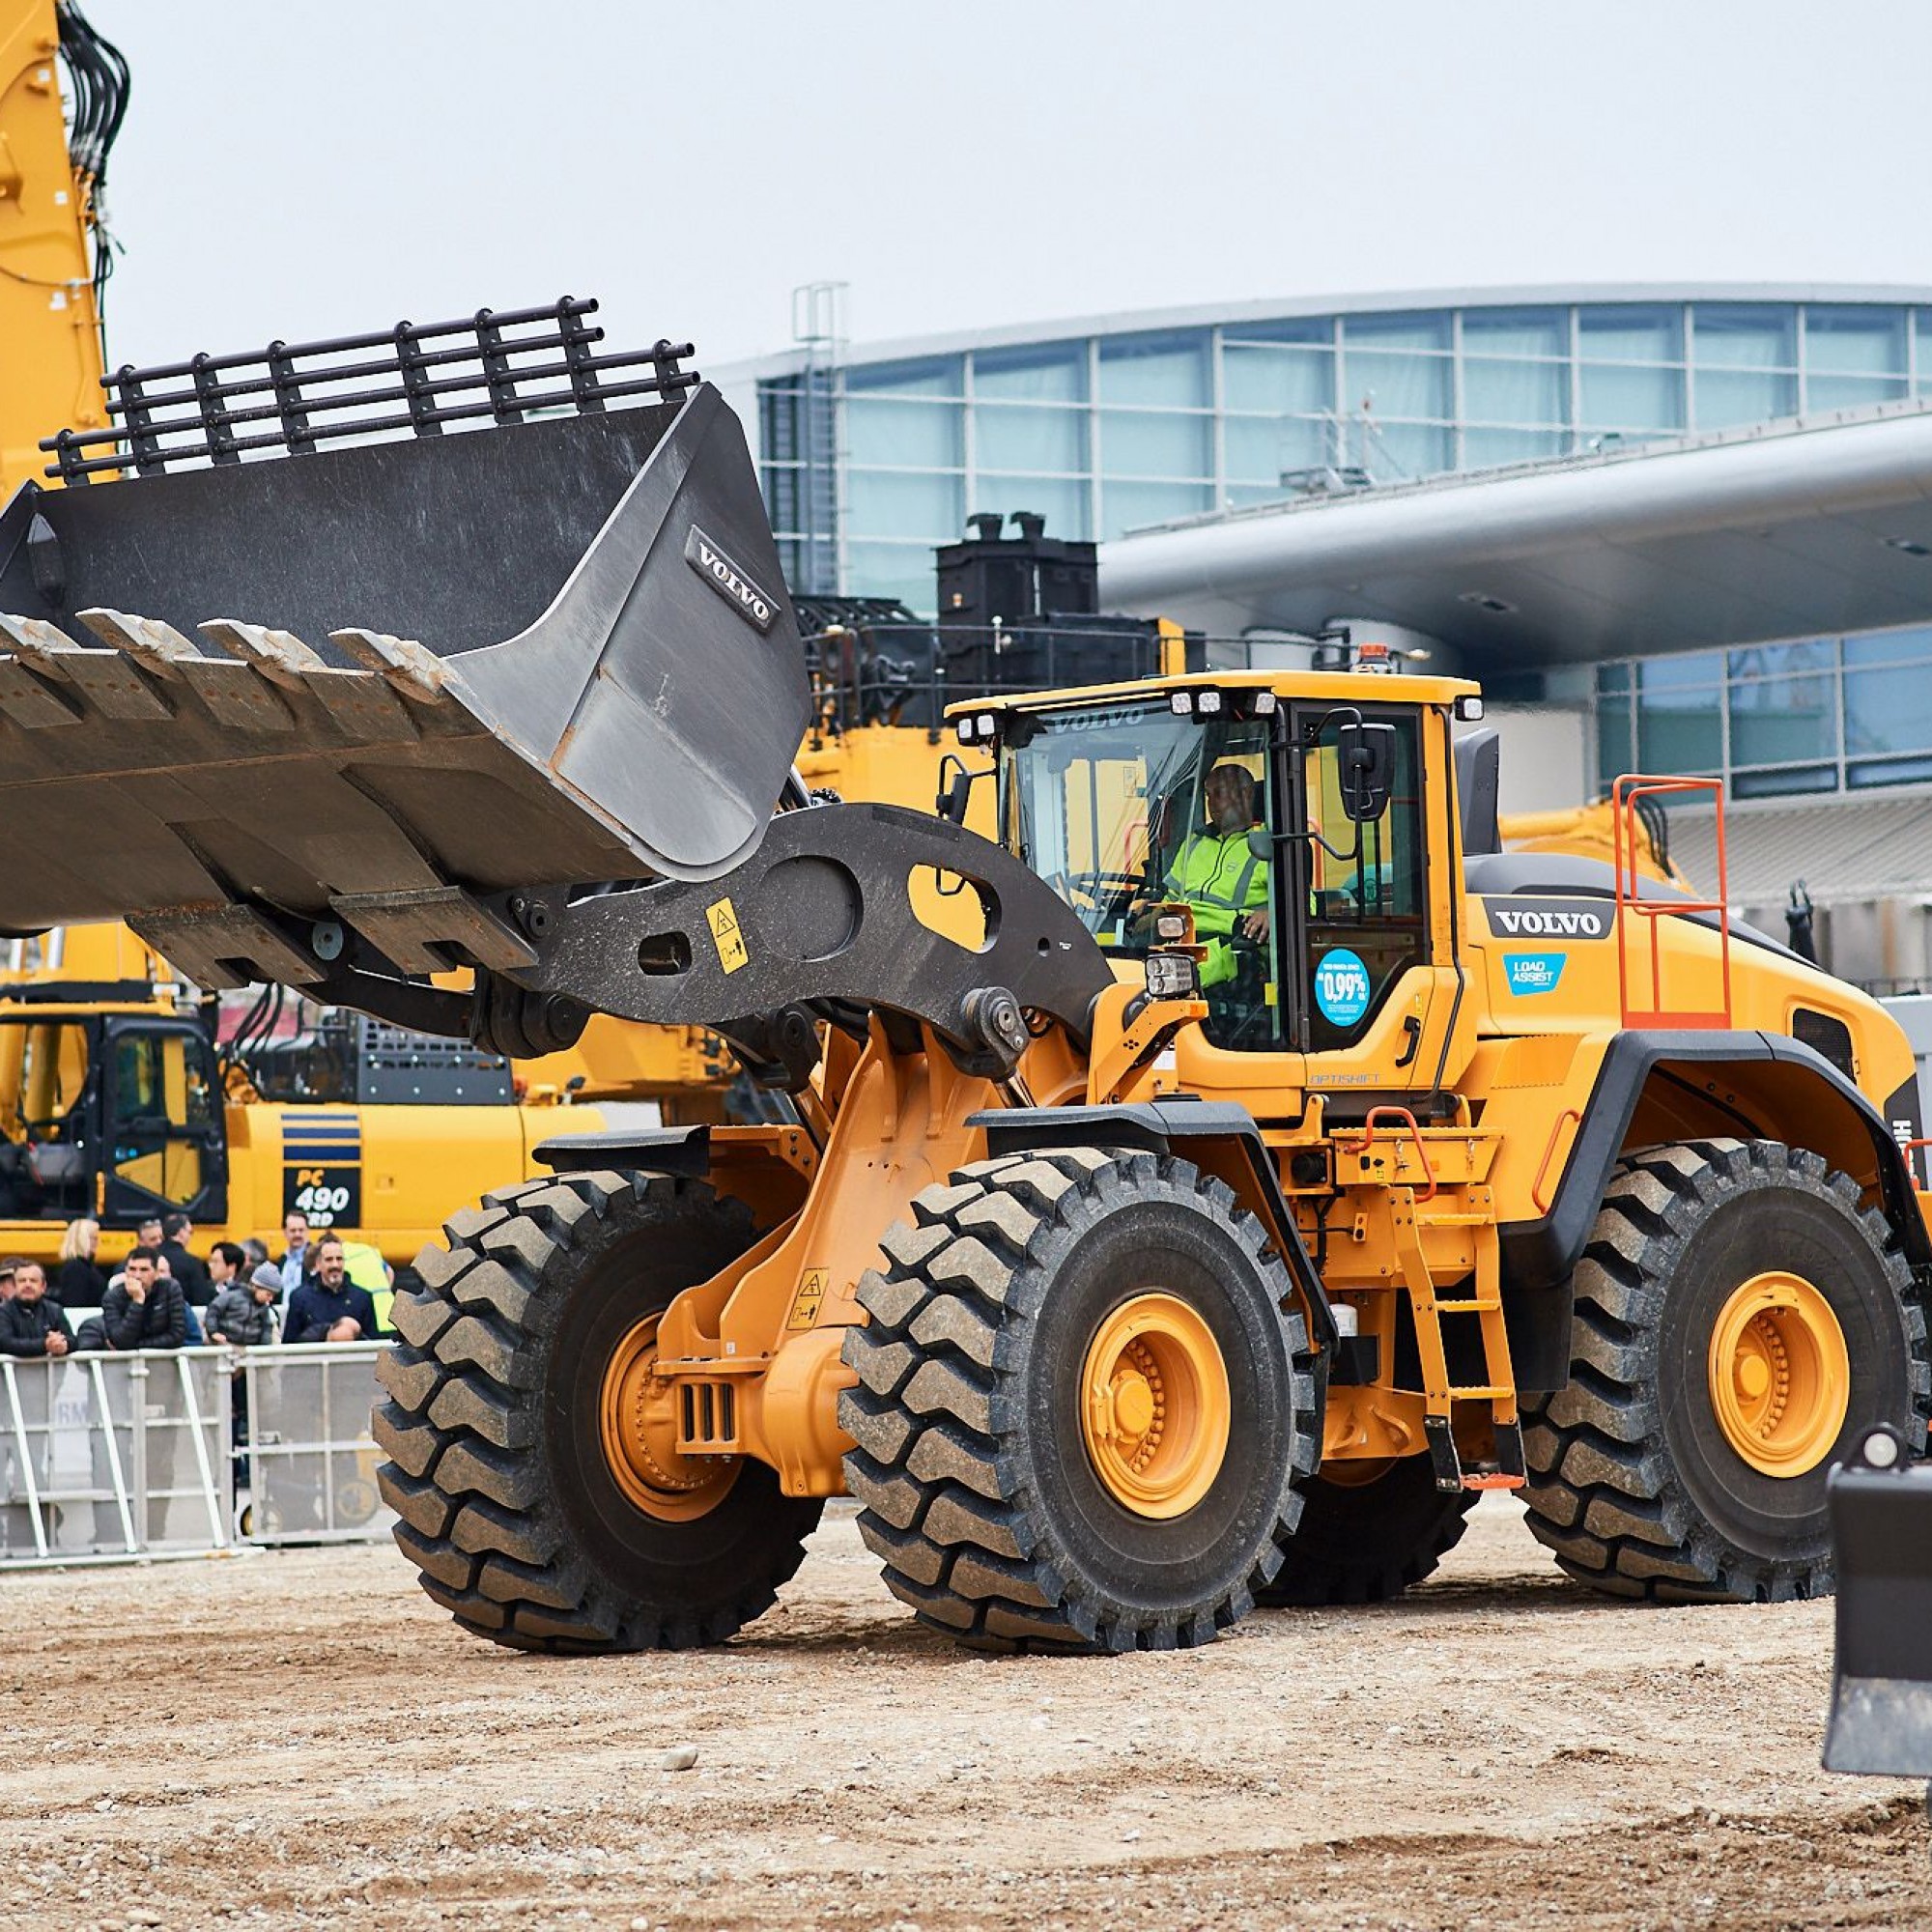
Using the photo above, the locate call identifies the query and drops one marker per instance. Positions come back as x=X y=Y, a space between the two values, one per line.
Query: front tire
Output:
x=1740 y=1318
x=525 y=1526
x=1082 y=1409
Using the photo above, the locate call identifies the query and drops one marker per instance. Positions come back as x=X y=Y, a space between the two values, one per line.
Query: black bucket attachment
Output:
x=1881 y=1511
x=640 y=723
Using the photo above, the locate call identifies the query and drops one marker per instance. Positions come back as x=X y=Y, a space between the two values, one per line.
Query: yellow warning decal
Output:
x=805 y=1303
x=726 y=936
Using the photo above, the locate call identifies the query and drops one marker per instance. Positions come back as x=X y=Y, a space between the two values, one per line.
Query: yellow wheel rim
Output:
x=1154 y=1409
x=1780 y=1374
x=637 y=1417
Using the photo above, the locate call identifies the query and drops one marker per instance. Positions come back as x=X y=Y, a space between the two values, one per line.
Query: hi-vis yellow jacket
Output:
x=1221 y=879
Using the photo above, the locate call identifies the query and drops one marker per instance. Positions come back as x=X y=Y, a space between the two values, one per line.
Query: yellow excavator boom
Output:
x=49 y=227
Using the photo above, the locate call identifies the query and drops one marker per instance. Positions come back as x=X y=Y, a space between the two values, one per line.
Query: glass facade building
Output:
x=1846 y=714
x=871 y=460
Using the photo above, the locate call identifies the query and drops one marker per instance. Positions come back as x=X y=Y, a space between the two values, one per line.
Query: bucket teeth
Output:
x=106 y=679
x=280 y=656
x=157 y=647
x=414 y=671
x=253 y=680
x=363 y=705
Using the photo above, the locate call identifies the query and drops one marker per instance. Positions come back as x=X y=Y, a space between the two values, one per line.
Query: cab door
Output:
x=1361 y=946
x=166 y=1132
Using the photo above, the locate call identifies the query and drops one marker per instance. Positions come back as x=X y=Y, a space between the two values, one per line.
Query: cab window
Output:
x=166 y=1114
x=1128 y=807
x=45 y=1160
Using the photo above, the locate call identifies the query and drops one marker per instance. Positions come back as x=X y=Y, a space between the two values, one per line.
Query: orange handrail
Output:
x=1624 y=796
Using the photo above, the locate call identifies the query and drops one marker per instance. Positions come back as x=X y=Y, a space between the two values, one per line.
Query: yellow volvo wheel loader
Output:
x=1138 y=1253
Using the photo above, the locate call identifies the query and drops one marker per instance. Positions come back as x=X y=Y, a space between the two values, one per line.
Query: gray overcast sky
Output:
x=304 y=169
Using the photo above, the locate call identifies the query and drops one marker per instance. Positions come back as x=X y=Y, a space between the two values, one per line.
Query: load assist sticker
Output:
x=1534 y=972
x=1340 y=987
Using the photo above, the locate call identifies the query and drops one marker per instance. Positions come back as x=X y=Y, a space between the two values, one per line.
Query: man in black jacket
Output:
x=177 y=1232
x=32 y=1327
x=144 y=1310
x=329 y=1307
x=32 y=1322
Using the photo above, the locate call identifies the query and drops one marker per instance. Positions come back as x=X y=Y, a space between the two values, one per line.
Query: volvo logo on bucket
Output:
x=729 y=580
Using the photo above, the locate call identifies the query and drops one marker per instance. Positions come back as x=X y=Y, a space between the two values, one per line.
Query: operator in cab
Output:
x=1220 y=876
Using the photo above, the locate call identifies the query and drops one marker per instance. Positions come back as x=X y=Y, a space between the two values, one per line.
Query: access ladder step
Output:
x=1453 y=1476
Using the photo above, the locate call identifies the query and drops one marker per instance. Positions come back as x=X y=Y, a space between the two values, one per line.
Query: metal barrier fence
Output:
x=311 y=1461
x=108 y=1458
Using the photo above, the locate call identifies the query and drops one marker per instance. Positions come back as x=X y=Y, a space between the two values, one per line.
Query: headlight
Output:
x=1171 y=975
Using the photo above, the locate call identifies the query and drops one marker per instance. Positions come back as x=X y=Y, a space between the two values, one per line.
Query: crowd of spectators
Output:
x=161 y=1295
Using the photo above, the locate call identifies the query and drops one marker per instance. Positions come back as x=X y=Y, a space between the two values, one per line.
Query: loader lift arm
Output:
x=822 y=912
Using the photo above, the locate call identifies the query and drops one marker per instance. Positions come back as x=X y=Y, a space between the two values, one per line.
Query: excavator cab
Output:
x=111 y=1117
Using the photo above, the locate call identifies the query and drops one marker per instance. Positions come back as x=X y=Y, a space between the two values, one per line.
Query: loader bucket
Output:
x=642 y=723
x=1881 y=1511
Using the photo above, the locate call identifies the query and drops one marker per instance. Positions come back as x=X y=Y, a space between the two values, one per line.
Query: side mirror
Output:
x=1260 y=843
x=1365 y=766
x=955 y=790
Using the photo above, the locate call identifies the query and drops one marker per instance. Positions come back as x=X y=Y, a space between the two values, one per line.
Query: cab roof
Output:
x=1330 y=686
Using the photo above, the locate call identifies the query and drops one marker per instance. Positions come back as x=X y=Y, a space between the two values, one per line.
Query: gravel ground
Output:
x=304 y=1739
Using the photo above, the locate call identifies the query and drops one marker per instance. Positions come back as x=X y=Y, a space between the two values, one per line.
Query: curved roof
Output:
x=1382 y=301
x=1802 y=526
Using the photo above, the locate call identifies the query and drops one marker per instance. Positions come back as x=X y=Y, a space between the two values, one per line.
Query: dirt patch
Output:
x=304 y=1739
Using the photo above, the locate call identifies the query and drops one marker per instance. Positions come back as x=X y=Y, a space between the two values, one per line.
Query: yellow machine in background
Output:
x=53 y=252
x=1589 y=832
x=117 y=1102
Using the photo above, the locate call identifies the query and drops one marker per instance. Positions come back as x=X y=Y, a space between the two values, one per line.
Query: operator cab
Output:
x=1307 y=886
x=108 y=1116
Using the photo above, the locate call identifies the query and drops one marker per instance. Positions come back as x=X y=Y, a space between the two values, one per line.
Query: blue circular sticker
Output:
x=1340 y=987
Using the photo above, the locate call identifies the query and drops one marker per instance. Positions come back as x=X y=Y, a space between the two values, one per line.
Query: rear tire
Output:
x=1366 y=1543
x=983 y=1487
x=1633 y=1480
x=507 y=1501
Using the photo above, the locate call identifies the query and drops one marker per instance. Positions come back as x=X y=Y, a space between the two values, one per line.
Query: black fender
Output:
x=1538 y=1257
x=680 y=1151
x=1183 y=1128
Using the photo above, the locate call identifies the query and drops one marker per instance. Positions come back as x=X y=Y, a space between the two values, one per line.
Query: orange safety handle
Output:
x=1549 y=1154
x=1407 y=1120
